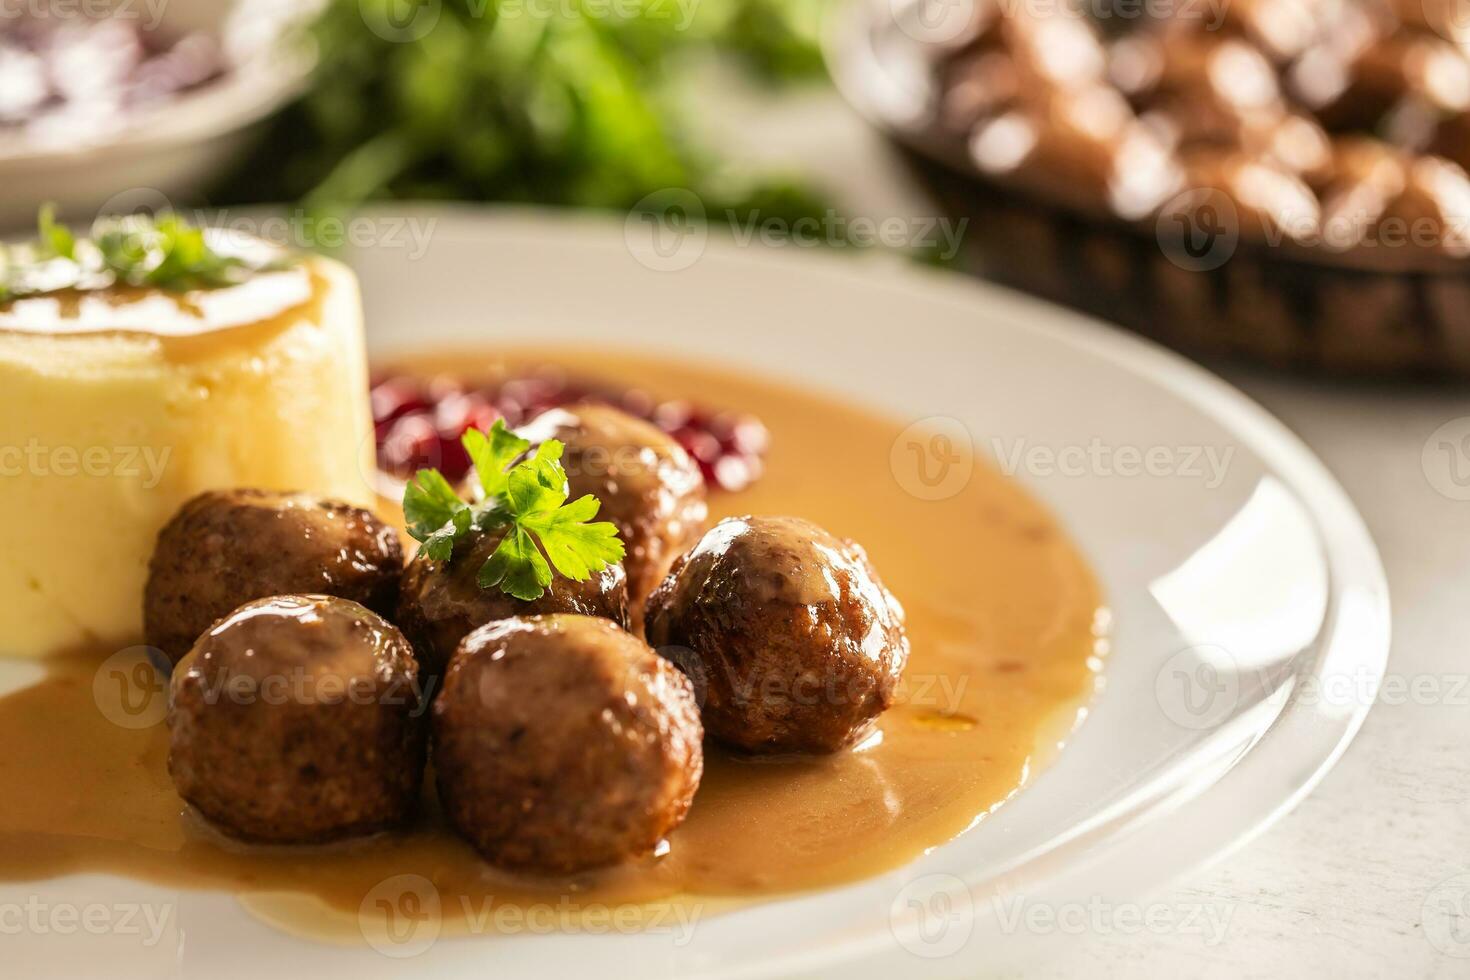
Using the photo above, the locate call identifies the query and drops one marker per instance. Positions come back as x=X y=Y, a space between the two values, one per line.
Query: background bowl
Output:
x=173 y=149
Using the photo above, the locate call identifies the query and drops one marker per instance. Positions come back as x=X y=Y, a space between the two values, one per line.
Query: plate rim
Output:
x=1359 y=628
x=1358 y=623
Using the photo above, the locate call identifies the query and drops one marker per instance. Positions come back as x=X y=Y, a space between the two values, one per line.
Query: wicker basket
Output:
x=1298 y=308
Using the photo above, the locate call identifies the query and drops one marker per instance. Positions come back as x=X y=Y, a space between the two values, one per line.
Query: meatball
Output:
x=563 y=743
x=298 y=719
x=794 y=641
x=649 y=486
x=224 y=548
x=442 y=601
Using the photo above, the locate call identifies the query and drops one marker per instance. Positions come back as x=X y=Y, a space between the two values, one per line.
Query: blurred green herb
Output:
x=136 y=250
x=56 y=240
x=550 y=101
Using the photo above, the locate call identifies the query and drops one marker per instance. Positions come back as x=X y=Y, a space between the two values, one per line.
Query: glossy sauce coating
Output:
x=441 y=602
x=788 y=631
x=142 y=312
x=224 y=548
x=648 y=485
x=1002 y=616
x=298 y=719
x=563 y=743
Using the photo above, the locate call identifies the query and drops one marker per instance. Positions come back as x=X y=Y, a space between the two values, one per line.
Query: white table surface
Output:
x=1339 y=887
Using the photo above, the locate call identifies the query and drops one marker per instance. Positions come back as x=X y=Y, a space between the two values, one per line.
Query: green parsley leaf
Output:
x=538 y=484
x=430 y=504
x=536 y=500
x=136 y=250
x=164 y=251
x=440 y=544
x=527 y=502
x=517 y=567
x=57 y=241
x=492 y=454
x=577 y=548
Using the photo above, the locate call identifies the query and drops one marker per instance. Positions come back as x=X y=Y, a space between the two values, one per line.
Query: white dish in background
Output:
x=1188 y=751
x=173 y=150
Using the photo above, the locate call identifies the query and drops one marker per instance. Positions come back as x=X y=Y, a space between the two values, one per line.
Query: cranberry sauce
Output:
x=419 y=421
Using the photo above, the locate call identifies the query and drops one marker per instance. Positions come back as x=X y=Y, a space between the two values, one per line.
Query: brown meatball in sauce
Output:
x=298 y=719
x=563 y=743
x=789 y=632
x=442 y=602
x=225 y=548
x=649 y=486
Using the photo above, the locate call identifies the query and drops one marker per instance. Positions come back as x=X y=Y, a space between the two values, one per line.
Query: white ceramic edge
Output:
x=1205 y=824
x=247 y=93
x=1358 y=634
x=1261 y=786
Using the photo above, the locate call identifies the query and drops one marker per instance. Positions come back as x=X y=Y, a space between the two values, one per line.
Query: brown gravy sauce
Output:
x=123 y=308
x=1006 y=624
x=185 y=327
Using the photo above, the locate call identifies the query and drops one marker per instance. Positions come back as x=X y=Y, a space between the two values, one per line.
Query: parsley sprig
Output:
x=136 y=250
x=528 y=501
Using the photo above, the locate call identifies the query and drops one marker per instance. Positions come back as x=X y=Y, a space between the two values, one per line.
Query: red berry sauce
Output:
x=419 y=421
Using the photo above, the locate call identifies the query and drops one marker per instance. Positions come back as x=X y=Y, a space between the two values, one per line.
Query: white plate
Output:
x=1251 y=611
